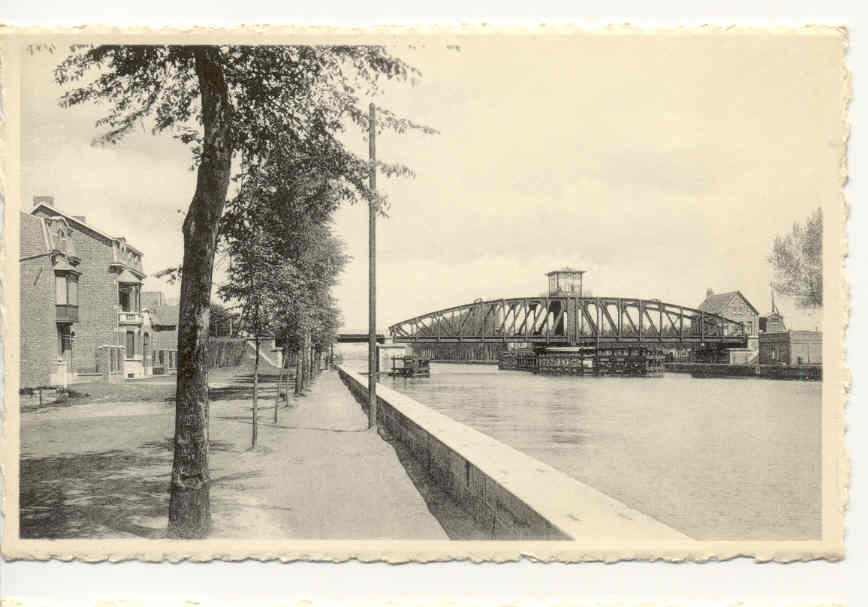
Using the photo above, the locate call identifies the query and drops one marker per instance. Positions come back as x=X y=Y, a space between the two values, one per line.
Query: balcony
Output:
x=66 y=313
x=129 y=318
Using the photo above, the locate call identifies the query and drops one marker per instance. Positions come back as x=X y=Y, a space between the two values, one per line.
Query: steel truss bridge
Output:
x=571 y=321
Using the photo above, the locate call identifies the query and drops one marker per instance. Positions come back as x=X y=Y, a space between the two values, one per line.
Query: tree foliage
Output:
x=282 y=97
x=251 y=107
x=285 y=258
x=221 y=320
x=277 y=233
x=797 y=262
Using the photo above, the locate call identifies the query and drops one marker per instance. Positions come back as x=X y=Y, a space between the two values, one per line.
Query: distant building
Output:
x=164 y=322
x=774 y=322
x=780 y=346
x=733 y=305
x=81 y=294
x=151 y=299
x=791 y=348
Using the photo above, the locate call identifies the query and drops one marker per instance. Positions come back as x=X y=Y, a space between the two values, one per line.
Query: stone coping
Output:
x=574 y=508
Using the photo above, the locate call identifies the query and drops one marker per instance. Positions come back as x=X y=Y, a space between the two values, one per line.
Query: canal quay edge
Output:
x=505 y=491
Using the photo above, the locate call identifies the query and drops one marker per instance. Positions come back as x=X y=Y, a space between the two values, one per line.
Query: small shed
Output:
x=791 y=348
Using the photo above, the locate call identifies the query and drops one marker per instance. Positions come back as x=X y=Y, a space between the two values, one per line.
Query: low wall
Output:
x=803 y=372
x=466 y=362
x=502 y=489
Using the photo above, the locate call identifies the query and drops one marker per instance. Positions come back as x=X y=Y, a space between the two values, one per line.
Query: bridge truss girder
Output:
x=570 y=321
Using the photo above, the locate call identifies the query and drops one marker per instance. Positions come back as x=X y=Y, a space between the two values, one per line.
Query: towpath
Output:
x=102 y=470
x=319 y=473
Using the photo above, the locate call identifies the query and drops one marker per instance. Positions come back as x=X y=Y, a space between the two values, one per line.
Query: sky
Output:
x=662 y=165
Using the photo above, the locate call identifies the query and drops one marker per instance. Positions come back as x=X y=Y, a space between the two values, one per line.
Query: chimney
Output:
x=81 y=218
x=709 y=293
x=46 y=200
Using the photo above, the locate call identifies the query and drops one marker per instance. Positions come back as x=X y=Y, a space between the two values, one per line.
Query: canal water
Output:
x=716 y=459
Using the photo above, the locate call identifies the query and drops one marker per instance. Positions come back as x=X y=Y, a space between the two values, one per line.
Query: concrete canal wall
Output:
x=466 y=362
x=502 y=489
x=804 y=372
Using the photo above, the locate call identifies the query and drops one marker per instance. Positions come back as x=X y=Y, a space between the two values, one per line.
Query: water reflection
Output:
x=713 y=458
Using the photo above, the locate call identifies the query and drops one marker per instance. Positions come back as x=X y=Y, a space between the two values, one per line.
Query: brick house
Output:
x=81 y=316
x=735 y=306
x=49 y=267
x=163 y=319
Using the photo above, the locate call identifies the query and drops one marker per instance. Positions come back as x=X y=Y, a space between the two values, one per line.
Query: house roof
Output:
x=718 y=302
x=164 y=315
x=128 y=277
x=53 y=211
x=775 y=324
x=566 y=270
x=34 y=238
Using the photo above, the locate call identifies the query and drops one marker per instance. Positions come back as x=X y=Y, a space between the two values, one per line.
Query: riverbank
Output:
x=802 y=372
x=102 y=469
x=506 y=492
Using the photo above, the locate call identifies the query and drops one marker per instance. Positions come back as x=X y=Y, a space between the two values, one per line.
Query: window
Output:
x=131 y=344
x=66 y=289
x=124 y=299
x=72 y=290
x=60 y=242
x=64 y=340
x=128 y=298
x=60 y=286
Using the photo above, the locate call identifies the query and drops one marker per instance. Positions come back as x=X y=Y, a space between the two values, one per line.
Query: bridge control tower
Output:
x=565 y=282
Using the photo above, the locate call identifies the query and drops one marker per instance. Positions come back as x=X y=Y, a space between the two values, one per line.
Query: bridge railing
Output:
x=569 y=320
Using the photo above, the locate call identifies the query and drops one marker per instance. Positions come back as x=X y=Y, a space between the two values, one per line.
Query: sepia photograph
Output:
x=416 y=295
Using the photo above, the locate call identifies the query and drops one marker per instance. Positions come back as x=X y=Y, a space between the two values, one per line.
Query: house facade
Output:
x=50 y=271
x=163 y=319
x=735 y=306
x=81 y=294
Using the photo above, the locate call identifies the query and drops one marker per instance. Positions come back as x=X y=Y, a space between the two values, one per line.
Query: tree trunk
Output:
x=308 y=358
x=255 y=390
x=281 y=384
x=189 y=503
x=299 y=371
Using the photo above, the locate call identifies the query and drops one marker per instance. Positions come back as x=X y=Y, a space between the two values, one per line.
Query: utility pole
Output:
x=372 y=273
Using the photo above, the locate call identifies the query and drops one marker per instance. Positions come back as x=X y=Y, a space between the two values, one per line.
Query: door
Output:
x=64 y=354
x=146 y=353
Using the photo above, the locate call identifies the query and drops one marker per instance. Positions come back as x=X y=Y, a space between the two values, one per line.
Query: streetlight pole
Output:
x=372 y=273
